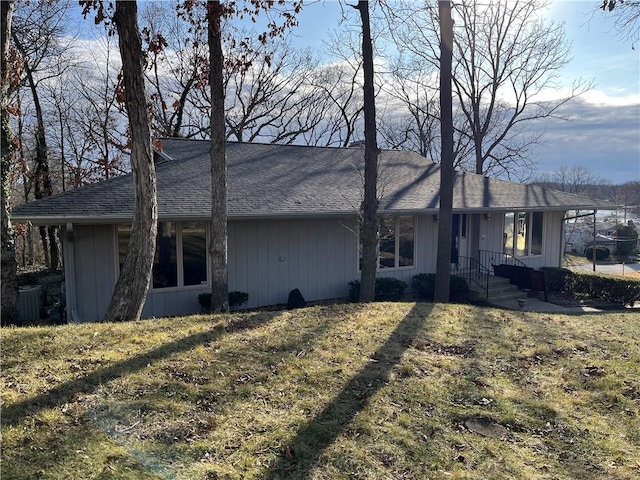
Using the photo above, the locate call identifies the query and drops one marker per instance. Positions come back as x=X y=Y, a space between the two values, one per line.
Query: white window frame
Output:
x=179 y=260
x=396 y=266
x=529 y=229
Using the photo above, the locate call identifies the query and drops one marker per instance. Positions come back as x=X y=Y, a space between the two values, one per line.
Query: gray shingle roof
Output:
x=286 y=180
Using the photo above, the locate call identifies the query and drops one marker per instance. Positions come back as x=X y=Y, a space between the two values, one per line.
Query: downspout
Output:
x=563 y=238
x=70 y=277
x=593 y=253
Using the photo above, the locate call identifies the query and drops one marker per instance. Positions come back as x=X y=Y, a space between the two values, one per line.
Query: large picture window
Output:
x=523 y=233
x=396 y=242
x=180 y=259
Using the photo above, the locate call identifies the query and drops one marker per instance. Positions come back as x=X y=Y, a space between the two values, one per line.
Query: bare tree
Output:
x=628 y=195
x=369 y=224
x=9 y=295
x=412 y=120
x=100 y=137
x=443 y=260
x=39 y=36
x=340 y=110
x=626 y=15
x=133 y=282
x=507 y=60
x=218 y=246
x=575 y=179
x=271 y=100
x=177 y=61
x=216 y=12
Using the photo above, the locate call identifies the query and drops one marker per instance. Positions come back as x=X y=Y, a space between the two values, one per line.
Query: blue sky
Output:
x=605 y=132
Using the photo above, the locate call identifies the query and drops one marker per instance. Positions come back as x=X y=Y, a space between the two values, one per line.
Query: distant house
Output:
x=293 y=223
x=579 y=236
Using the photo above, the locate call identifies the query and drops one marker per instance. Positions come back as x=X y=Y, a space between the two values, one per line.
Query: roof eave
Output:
x=47 y=220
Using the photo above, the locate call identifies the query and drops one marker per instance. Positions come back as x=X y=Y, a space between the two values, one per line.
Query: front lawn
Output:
x=379 y=391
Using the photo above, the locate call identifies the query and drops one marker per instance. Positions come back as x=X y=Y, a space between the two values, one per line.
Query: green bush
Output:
x=610 y=289
x=622 y=291
x=387 y=290
x=602 y=253
x=236 y=299
x=557 y=279
x=626 y=240
x=424 y=285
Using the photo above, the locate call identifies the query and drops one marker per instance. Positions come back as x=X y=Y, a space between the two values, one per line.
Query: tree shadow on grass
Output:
x=65 y=392
x=313 y=439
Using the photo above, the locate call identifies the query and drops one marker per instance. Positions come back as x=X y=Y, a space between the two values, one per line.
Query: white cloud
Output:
x=604 y=137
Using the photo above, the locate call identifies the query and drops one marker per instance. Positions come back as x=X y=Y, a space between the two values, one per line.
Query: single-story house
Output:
x=292 y=223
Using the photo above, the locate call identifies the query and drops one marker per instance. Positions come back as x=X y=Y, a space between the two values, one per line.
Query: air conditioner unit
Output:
x=30 y=303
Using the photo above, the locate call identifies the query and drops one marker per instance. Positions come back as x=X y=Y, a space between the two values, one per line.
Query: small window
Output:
x=463 y=225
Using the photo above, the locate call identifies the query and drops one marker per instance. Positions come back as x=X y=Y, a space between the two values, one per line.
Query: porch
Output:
x=499 y=277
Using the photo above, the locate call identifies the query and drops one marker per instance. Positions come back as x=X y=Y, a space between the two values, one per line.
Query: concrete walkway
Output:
x=535 y=305
x=608 y=268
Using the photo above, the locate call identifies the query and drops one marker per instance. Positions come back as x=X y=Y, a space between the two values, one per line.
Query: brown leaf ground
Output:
x=379 y=391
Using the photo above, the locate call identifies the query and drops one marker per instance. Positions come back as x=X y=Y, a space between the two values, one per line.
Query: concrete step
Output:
x=514 y=295
x=500 y=289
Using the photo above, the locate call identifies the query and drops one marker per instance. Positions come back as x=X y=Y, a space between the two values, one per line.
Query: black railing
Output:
x=507 y=266
x=489 y=259
x=474 y=272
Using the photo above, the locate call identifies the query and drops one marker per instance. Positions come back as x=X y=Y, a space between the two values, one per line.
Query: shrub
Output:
x=387 y=290
x=610 y=289
x=602 y=253
x=626 y=240
x=236 y=299
x=557 y=279
x=618 y=290
x=424 y=285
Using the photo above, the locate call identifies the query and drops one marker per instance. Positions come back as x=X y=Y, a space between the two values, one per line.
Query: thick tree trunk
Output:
x=443 y=263
x=133 y=283
x=9 y=277
x=218 y=247
x=369 y=228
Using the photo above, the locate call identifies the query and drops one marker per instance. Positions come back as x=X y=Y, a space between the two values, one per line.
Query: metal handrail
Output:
x=474 y=272
x=488 y=258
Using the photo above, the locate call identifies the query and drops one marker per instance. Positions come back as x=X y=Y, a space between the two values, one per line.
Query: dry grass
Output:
x=382 y=391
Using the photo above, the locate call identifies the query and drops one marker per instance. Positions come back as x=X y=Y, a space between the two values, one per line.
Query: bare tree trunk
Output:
x=42 y=177
x=218 y=247
x=10 y=313
x=44 y=240
x=133 y=283
x=443 y=265
x=369 y=230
